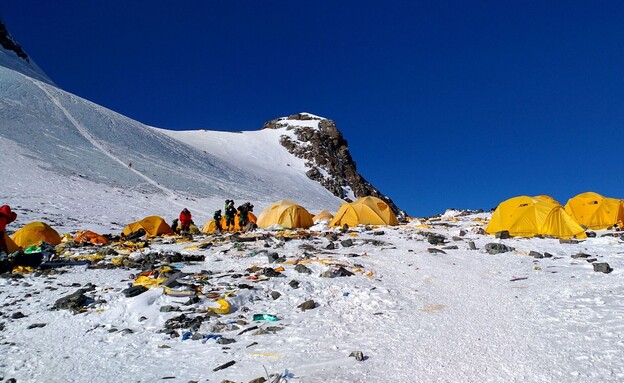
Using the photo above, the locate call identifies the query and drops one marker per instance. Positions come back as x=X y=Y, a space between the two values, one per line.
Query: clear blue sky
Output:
x=445 y=104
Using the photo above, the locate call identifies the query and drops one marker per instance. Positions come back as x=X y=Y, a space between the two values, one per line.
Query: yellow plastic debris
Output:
x=148 y=282
x=23 y=269
x=224 y=307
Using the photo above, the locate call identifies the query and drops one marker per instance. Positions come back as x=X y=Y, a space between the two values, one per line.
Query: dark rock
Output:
x=591 y=260
x=580 y=255
x=270 y=272
x=379 y=232
x=294 y=284
x=502 y=234
x=590 y=234
x=358 y=355
x=225 y=340
x=327 y=274
x=497 y=248
x=453 y=247
x=37 y=325
x=330 y=246
x=274 y=257
x=433 y=250
x=258 y=380
x=436 y=239
x=73 y=301
x=568 y=241
x=197 y=336
x=17 y=315
x=224 y=366
x=342 y=272
x=300 y=268
x=346 y=243
x=183 y=321
x=472 y=246
x=548 y=255
x=168 y=308
x=307 y=305
x=275 y=294
x=462 y=233
x=535 y=254
x=602 y=267
x=133 y=291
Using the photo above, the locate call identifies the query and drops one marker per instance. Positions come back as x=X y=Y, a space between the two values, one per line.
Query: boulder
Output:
x=497 y=248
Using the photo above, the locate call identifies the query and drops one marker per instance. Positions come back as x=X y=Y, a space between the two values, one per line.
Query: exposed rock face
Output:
x=327 y=155
x=8 y=43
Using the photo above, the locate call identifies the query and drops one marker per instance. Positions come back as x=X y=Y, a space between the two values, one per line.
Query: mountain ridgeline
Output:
x=59 y=136
x=327 y=155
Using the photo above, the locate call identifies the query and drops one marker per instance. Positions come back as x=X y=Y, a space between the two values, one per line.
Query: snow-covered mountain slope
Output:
x=12 y=56
x=51 y=134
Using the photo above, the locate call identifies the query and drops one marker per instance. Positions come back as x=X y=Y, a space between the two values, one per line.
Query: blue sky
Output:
x=445 y=104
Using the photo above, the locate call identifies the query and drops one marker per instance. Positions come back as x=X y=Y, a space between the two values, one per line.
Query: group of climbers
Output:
x=183 y=223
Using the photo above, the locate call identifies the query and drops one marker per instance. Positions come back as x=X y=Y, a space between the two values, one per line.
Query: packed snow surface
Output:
x=458 y=316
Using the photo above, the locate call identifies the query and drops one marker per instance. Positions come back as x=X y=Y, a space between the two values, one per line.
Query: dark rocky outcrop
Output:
x=327 y=155
x=8 y=43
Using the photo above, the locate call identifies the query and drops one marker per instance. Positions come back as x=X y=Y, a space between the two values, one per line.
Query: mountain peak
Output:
x=325 y=151
x=13 y=56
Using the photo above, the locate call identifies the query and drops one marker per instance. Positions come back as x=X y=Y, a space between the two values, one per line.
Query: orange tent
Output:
x=90 y=237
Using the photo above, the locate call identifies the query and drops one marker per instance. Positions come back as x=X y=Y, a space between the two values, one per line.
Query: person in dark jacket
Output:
x=230 y=214
x=243 y=214
x=6 y=216
x=217 y=218
x=185 y=221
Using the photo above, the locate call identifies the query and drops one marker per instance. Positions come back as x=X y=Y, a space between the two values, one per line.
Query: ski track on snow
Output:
x=171 y=195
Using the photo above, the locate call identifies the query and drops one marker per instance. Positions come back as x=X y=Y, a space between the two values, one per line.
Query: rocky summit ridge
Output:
x=320 y=143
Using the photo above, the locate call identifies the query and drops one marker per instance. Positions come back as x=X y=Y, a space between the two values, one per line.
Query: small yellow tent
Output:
x=11 y=246
x=322 y=216
x=153 y=226
x=525 y=216
x=365 y=211
x=286 y=214
x=595 y=211
x=34 y=233
x=210 y=226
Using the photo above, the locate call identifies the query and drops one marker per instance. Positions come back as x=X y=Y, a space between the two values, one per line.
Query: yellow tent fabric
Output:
x=153 y=226
x=11 y=246
x=286 y=214
x=34 y=233
x=595 y=211
x=365 y=211
x=322 y=216
x=526 y=216
x=210 y=226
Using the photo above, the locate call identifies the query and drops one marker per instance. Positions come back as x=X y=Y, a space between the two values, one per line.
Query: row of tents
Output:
x=521 y=216
x=283 y=214
x=526 y=216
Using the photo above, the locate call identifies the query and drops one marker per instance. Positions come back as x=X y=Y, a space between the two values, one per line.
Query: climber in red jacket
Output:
x=185 y=221
x=6 y=216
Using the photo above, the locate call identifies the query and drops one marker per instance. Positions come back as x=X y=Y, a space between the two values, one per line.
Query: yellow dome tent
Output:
x=11 y=246
x=153 y=226
x=286 y=214
x=322 y=216
x=34 y=233
x=595 y=211
x=365 y=211
x=525 y=216
x=210 y=226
